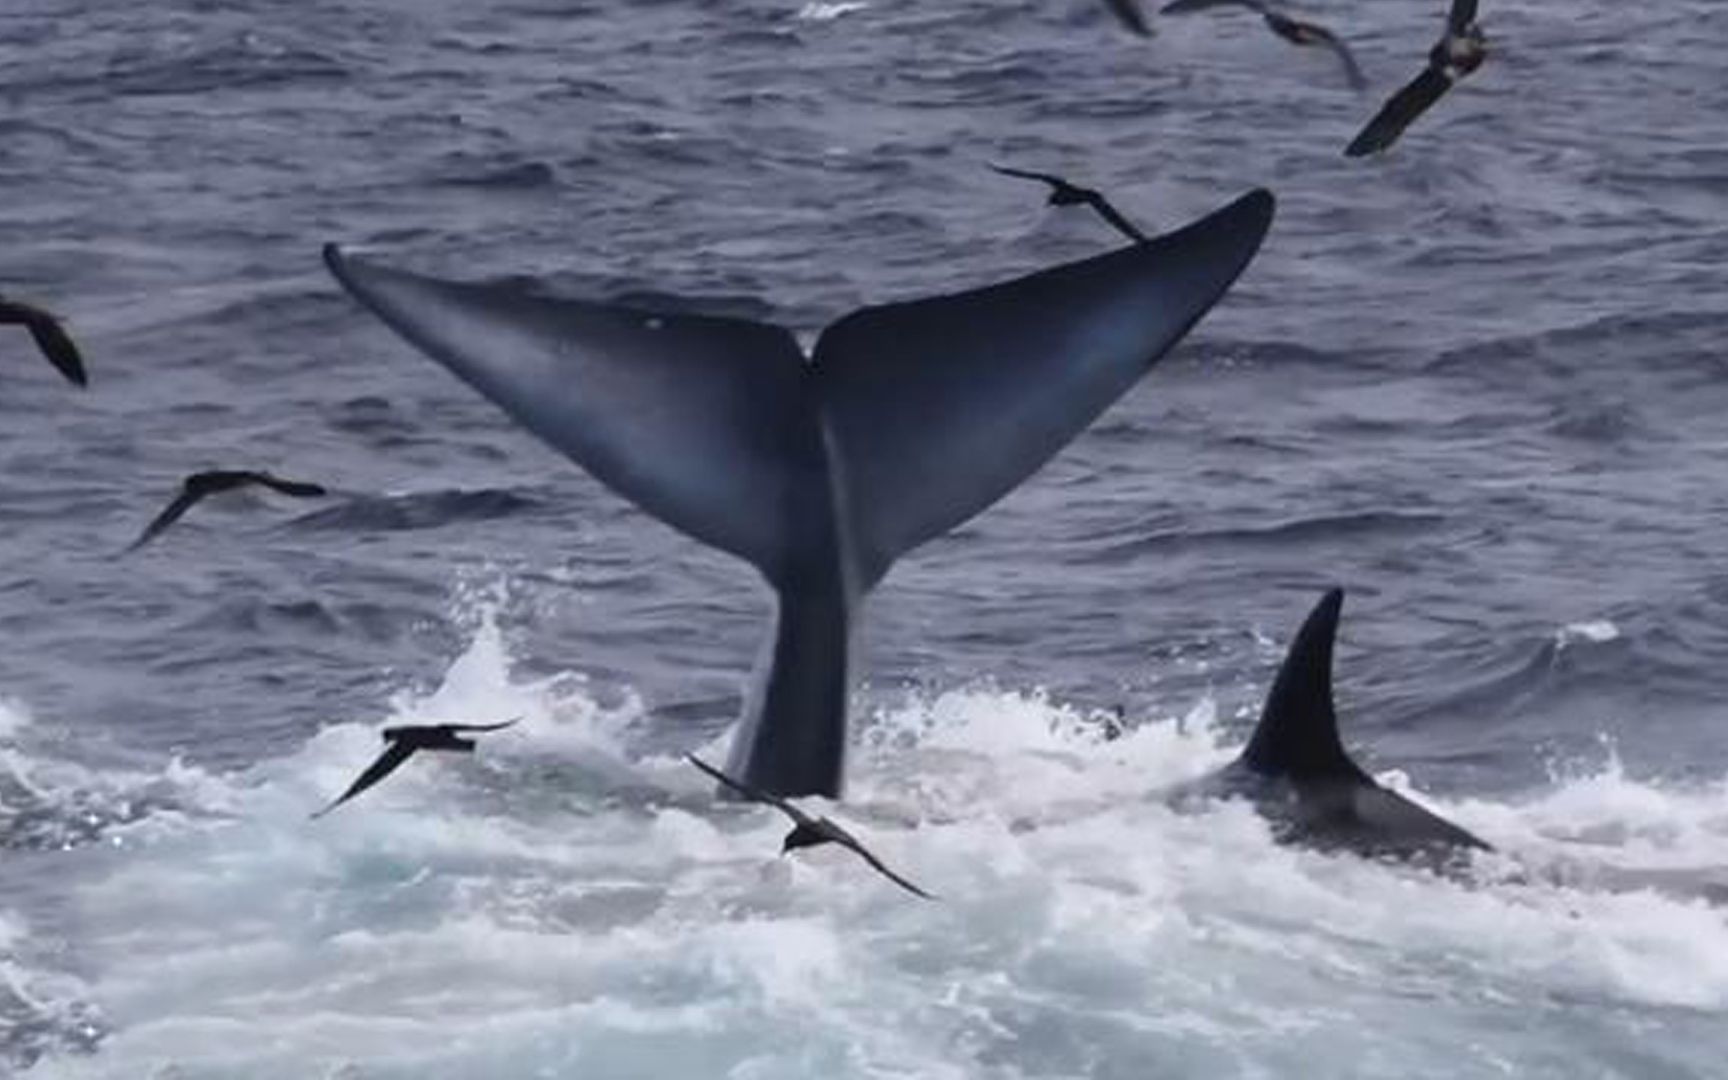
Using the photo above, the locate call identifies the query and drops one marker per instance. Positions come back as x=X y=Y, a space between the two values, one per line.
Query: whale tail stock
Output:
x=908 y=419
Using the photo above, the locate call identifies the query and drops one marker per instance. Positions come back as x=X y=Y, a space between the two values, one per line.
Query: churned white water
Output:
x=1478 y=382
x=556 y=907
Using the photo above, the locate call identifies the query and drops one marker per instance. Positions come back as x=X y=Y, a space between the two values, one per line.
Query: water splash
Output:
x=557 y=906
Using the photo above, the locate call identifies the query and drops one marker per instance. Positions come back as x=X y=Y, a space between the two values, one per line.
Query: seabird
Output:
x=1460 y=51
x=807 y=831
x=199 y=485
x=1063 y=193
x=1292 y=30
x=400 y=744
x=50 y=337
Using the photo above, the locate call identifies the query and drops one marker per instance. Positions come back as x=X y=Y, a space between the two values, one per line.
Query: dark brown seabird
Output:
x=807 y=831
x=1296 y=31
x=1063 y=193
x=202 y=485
x=401 y=743
x=1460 y=51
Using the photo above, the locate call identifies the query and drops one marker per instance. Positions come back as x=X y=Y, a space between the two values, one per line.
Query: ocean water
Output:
x=1479 y=382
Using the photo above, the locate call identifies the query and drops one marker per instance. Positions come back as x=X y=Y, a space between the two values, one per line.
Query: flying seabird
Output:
x=400 y=744
x=50 y=337
x=1128 y=11
x=199 y=485
x=1460 y=51
x=1063 y=193
x=807 y=831
x=1293 y=30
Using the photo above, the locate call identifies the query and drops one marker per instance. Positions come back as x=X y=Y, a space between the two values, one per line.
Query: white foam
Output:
x=826 y=12
x=1595 y=631
x=515 y=914
x=14 y=717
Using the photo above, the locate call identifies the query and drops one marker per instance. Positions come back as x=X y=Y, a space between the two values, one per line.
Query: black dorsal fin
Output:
x=1297 y=737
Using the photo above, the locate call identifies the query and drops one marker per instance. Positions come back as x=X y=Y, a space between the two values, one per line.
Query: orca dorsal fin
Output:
x=1297 y=737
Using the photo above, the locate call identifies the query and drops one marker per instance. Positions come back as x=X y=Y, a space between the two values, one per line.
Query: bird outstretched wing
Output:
x=1398 y=113
x=173 y=512
x=297 y=488
x=1026 y=174
x=50 y=337
x=392 y=757
x=1065 y=192
x=852 y=843
x=1463 y=13
x=1178 y=7
x=1114 y=217
x=754 y=794
x=455 y=728
x=1352 y=70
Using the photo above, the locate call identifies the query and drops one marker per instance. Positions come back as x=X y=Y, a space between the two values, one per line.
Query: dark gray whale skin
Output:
x=907 y=419
x=1297 y=774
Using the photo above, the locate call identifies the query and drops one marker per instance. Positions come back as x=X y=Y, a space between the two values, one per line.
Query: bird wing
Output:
x=1177 y=7
x=846 y=839
x=172 y=513
x=1128 y=11
x=392 y=757
x=56 y=345
x=296 y=488
x=1352 y=70
x=1024 y=174
x=1463 y=13
x=1099 y=204
x=454 y=728
x=1110 y=214
x=1405 y=106
x=754 y=794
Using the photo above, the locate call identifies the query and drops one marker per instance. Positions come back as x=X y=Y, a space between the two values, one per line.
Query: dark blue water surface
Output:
x=1482 y=382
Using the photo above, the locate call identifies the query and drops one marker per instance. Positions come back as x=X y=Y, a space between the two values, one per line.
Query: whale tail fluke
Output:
x=914 y=416
x=908 y=419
